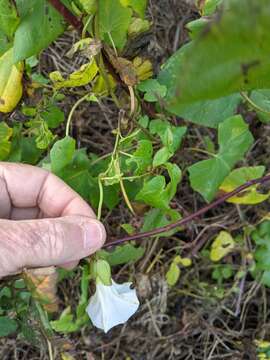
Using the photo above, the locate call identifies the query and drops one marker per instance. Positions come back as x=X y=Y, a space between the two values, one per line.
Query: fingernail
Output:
x=94 y=235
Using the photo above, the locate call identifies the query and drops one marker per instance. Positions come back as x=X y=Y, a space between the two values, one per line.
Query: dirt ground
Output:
x=189 y=321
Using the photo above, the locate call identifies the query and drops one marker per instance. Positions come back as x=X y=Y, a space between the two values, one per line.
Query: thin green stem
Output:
x=86 y=26
x=253 y=105
x=112 y=42
x=74 y=107
x=101 y=197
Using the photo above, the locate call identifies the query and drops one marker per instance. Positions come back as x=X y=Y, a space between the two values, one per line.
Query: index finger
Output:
x=26 y=186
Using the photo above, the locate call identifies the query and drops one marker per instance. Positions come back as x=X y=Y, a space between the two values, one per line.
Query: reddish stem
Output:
x=67 y=14
x=190 y=217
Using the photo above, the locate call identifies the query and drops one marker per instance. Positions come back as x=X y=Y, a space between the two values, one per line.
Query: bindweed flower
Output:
x=112 y=305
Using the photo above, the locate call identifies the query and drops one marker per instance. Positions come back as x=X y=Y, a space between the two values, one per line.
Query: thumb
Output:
x=46 y=242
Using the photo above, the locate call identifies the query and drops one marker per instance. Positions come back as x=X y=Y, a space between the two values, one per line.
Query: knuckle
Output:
x=56 y=234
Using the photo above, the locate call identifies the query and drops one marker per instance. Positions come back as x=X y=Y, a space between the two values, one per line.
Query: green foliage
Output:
x=9 y=19
x=226 y=64
x=122 y=254
x=39 y=26
x=69 y=322
x=62 y=153
x=193 y=76
x=7 y=326
x=234 y=140
x=261 y=237
x=153 y=90
x=157 y=185
x=262 y=99
x=114 y=20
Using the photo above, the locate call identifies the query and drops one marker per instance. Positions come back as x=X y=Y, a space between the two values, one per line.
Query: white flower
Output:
x=112 y=305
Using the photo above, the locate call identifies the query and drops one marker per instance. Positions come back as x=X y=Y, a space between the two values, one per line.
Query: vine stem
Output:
x=190 y=217
x=74 y=107
x=253 y=105
x=67 y=14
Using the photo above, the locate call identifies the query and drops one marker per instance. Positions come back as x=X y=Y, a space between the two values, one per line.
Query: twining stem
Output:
x=253 y=105
x=132 y=101
x=190 y=217
x=101 y=197
x=74 y=107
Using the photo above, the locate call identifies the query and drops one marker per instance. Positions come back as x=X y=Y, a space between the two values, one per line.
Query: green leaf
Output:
x=210 y=112
x=234 y=140
x=90 y=6
x=209 y=7
x=65 y=324
x=161 y=156
x=196 y=26
x=30 y=153
x=138 y=26
x=171 y=136
x=4 y=43
x=261 y=236
x=228 y=46
x=173 y=274
x=203 y=112
x=153 y=90
x=5 y=144
x=122 y=254
x=139 y=6
x=7 y=326
x=262 y=99
x=43 y=135
x=53 y=116
x=156 y=218
x=62 y=153
x=129 y=229
x=156 y=192
x=142 y=156
x=239 y=177
x=114 y=20
x=38 y=28
x=9 y=19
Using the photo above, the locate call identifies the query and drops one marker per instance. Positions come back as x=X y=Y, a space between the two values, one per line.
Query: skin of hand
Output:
x=43 y=222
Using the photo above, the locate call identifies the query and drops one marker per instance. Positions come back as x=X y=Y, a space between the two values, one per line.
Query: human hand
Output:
x=43 y=222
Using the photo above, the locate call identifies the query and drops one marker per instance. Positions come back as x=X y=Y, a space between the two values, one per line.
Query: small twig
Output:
x=67 y=15
x=190 y=217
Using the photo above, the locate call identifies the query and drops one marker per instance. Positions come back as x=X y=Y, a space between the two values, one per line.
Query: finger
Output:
x=26 y=186
x=47 y=242
x=70 y=265
x=24 y=213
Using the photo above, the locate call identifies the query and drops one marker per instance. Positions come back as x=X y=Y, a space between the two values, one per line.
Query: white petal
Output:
x=112 y=305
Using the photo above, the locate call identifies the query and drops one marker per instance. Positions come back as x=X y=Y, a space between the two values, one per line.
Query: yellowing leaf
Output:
x=138 y=26
x=10 y=82
x=240 y=176
x=186 y=262
x=173 y=274
x=143 y=68
x=66 y=356
x=100 y=87
x=123 y=67
x=42 y=282
x=182 y=261
x=222 y=246
x=81 y=77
